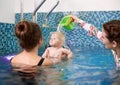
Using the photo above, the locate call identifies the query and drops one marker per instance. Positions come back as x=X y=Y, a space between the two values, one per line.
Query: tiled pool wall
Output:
x=75 y=38
x=8 y=41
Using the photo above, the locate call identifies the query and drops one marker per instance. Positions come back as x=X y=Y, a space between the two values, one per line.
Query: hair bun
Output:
x=22 y=28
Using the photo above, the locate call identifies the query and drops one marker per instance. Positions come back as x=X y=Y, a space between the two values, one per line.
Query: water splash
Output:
x=61 y=29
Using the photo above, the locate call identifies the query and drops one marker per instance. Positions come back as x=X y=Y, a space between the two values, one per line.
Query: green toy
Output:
x=67 y=23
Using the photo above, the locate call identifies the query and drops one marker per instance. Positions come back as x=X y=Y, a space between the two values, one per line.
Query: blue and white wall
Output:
x=7 y=11
x=94 y=12
x=8 y=8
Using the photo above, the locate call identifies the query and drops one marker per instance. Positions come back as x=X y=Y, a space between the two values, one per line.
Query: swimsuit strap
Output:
x=11 y=59
x=41 y=61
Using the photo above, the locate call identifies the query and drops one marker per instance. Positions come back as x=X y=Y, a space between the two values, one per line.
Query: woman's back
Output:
x=30 y=39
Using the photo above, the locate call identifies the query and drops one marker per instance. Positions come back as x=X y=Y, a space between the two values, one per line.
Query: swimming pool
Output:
x=92 y=64
x=90 y=67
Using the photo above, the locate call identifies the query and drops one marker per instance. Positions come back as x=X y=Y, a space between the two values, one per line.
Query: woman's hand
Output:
x=75 y=18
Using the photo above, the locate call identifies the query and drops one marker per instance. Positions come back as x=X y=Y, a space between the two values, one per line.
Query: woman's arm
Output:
x=47 y=62
x=92 y=30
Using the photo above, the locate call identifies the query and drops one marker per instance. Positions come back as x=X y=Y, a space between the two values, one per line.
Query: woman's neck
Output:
x=118 y=52
x=34 y=51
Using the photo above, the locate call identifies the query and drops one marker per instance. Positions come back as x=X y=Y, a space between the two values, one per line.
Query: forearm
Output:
x=70 y=54
x=92 y=30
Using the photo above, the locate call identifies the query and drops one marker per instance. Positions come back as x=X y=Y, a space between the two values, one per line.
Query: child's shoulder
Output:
x=64 y=48
x=49 y=48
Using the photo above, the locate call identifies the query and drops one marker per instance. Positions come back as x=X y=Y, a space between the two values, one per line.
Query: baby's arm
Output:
x=46 y=53
x=92 y=30
x=67 y=52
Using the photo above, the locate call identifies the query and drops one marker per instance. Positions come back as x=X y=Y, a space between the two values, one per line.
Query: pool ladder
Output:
x=47 y=15
x=36 y=9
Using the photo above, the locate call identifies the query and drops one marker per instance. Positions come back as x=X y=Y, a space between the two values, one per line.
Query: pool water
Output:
x=88 y=67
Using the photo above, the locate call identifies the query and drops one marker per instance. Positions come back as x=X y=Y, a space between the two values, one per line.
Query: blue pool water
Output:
x=88 y=67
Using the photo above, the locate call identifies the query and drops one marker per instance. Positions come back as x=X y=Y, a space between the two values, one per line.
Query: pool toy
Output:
x=67 y=23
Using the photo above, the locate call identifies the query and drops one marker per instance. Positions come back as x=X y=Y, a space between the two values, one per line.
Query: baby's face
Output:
x=54 y=40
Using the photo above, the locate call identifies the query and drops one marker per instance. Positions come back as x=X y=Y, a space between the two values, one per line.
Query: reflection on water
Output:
x=86 y=68
x=19 y=74
x=25 y=71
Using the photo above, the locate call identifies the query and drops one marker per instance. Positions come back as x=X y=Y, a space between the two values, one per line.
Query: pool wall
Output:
x=76 y=38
